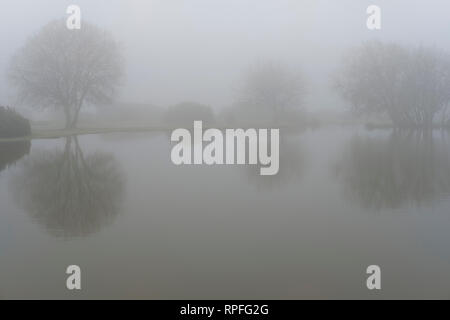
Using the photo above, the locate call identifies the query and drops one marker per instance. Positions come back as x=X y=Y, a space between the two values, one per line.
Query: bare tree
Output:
x=428 y=85
x=410 y=85
x=273 y=87
x=67 y=69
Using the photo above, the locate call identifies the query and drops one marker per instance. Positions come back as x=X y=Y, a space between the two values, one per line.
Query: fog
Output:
x=225 y=149
x=197 y=50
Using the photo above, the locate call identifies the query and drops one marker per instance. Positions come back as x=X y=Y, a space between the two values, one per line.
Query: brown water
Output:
x=141 y=227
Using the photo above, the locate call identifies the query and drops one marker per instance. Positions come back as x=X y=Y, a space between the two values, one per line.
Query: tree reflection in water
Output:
x=405 y=168
x=68 y=193
x=11 y=152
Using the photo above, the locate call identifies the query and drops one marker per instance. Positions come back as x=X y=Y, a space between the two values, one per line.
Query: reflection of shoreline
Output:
x=11 y=152
x=68 y=193
x=404 y=168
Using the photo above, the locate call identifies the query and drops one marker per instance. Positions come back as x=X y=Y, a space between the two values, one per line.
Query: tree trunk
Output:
x=74 y=121
x=68 y=117
x=76 y=115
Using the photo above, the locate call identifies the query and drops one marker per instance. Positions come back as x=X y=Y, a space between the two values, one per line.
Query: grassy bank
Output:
x=50 y=132
x=61 y=133
x=373 y=126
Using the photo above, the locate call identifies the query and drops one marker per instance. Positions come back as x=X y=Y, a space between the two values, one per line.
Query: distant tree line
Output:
x=69 y=69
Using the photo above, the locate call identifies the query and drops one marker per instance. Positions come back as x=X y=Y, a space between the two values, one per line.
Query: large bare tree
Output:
x=410 y=85
x=67 y=69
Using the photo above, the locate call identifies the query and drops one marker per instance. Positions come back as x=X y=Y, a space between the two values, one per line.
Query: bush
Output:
x=13 y=124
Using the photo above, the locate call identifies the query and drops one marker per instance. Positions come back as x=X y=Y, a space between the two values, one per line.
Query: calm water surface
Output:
x=141 y=227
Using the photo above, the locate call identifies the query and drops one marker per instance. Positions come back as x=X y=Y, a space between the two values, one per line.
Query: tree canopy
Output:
x=410 y=85
x=272 y=87
x=67 y=69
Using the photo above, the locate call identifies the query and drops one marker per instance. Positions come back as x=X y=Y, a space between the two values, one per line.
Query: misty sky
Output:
x=197 y=50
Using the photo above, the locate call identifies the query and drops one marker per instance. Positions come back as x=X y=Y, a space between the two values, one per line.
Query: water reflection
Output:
x=70 y=194
x=292 y=159
x=402 y=169
x=292 y=163
x=11 y=152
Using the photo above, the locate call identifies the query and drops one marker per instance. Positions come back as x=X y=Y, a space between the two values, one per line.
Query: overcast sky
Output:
x=196 y=50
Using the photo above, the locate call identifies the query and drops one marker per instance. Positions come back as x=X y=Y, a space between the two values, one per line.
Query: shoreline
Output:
x=42 y=133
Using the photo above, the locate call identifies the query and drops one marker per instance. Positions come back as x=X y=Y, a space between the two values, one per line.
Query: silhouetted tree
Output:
x=67 y=69
x=272 y=87
x=410 y=85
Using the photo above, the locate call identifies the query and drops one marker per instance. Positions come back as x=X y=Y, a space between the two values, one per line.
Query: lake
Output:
x=141 y=227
